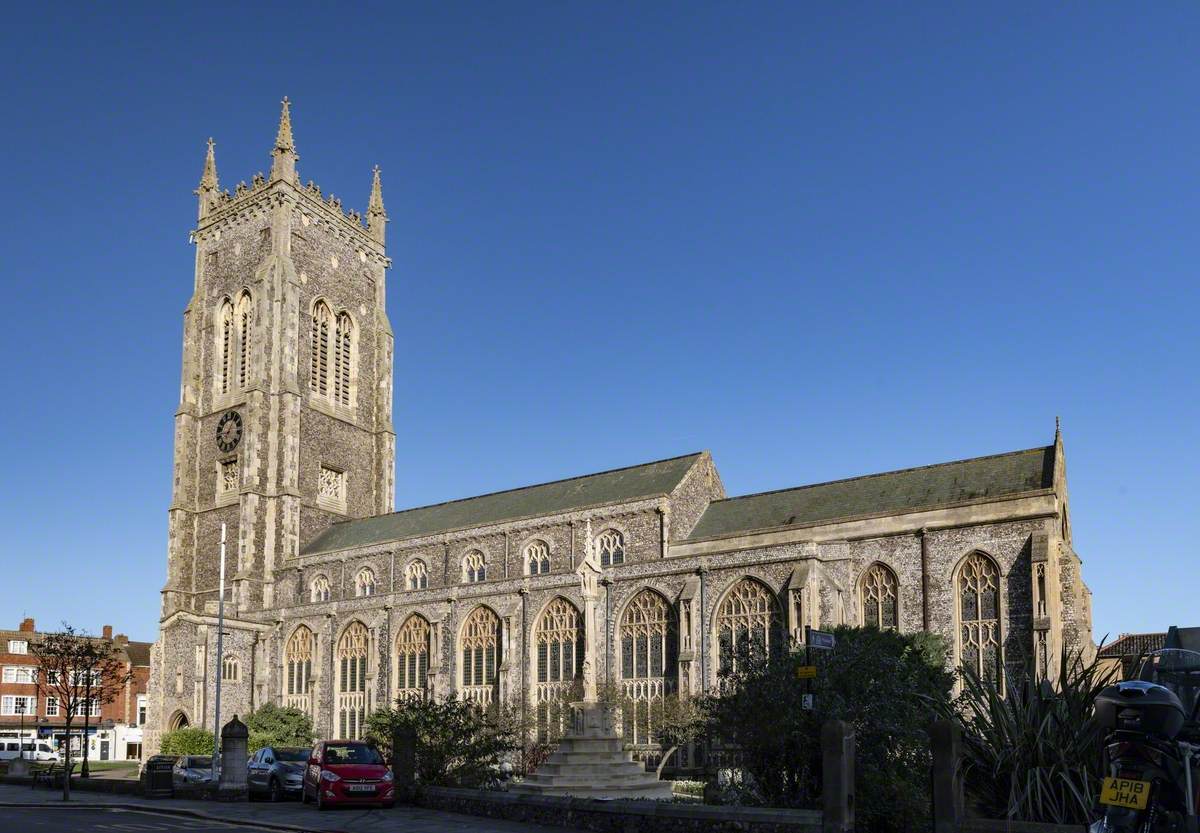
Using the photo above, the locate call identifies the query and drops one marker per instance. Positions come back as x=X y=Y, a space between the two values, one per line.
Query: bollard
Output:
x=234 y=741
x=946 y=742
x=404 y=762
x=837 y=766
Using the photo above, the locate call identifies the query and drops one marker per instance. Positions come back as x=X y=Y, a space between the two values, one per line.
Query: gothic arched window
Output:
x=480 y=656
x=537 y=558
x=298 y=662
x=318 y=379
x=364 y=582
x=412 y=657
x=748 y=624
x=558 y=638
x=226 y=343
x=474 y=569
x=230 y=669
x=647 y=660
x=611 y=546
x=341 y=359
x=352 y=697
x=416 y=575
x=245 y=325
x=319 y=589
x=879 y=598
x=978 y=589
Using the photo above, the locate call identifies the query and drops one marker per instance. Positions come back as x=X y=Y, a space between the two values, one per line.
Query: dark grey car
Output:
x=277 y=771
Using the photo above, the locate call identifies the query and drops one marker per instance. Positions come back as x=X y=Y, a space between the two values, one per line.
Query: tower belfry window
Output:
x=245 y=323
x=226 y=348
x=341 y=361
x=318 y=380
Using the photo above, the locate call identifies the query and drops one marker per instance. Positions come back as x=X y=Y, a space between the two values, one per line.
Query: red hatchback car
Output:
x=347 y=772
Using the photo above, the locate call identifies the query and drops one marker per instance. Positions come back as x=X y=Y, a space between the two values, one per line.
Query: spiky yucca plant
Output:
x=1035 y=753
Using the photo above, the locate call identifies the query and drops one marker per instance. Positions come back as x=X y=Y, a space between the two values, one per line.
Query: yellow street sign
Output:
x=806 y=672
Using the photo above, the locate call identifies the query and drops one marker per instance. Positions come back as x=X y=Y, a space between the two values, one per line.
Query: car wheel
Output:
x=274 y=791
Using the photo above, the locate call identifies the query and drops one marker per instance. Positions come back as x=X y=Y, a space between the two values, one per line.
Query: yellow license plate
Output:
x=1125 y=792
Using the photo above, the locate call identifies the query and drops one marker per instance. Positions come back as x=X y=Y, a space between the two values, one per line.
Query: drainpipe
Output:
x=524 y=591
x=924 y=579
x=703 y=571
x=607 y=582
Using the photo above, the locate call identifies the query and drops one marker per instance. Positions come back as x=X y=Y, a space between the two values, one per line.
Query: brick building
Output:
x=336 y=603
x=115 y=730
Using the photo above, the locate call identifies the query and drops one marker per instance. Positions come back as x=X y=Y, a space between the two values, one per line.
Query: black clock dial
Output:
x=229 y=431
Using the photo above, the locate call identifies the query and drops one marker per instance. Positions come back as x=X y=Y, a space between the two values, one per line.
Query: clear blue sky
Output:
x=820 y=240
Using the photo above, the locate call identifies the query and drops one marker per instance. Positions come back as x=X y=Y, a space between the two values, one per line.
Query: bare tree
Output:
x=82 y=673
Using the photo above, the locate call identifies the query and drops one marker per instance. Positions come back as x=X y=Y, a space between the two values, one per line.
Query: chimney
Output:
x=27 y=625
x=122 y=639
x=108 y=632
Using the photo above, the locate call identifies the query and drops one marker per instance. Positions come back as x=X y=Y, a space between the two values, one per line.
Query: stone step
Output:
x=652 y=789
x=570 y=744
x=593 y=757
x=570 y=781
x=589 y=767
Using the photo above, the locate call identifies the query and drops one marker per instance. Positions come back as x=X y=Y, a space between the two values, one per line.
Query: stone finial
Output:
x=209 y=189
x=284 y=156
x=376 y=214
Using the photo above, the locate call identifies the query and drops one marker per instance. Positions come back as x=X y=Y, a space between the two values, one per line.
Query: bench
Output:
x=52 y=775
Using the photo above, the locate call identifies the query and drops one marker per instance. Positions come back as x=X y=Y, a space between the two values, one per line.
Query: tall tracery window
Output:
x=341 y=360
x=319 y=590
x=647 y=663
x=298 y=662
x=416 y=575
x=558 y=639
x=480 y=656
x=318 y=379
x=353 y=697
x=611 y=546
x=879 y=598
x=748 y=624
x=412 y=657
x=537 y=558
x=979 y=616
x=245 y=325
x=364 y=582
x=227 y=340
x=474 y=568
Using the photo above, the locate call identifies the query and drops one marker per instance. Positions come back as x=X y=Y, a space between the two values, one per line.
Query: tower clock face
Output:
x=229 y=431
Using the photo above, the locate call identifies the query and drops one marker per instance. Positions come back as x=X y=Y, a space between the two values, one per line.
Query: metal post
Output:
x=220 y=654
x=20 y=704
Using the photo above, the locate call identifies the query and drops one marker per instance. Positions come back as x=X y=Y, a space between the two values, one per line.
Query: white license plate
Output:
x=360 y=788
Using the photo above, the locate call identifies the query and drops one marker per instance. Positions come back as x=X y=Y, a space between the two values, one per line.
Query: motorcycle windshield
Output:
x=1178 y=670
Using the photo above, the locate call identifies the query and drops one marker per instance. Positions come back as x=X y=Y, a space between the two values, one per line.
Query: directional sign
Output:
x=820 y=639
x=806 y=672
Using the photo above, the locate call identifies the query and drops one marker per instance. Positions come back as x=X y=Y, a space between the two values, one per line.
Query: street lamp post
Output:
x=19 y=705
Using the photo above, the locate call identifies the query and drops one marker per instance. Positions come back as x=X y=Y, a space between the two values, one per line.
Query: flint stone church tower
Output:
x=336 y=605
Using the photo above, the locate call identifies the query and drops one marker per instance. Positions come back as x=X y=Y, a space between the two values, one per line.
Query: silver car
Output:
x=192 y=771
x=277 y=771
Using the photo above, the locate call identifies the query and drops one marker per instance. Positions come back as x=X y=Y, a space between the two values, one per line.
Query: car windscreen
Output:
x=195 y=762
x=351 y=753
x=291 y=755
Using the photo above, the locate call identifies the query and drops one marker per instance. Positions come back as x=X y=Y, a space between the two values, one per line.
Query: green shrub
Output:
x=457 y=743
x=272 y=725
x=1035 y=753
x=888 y=686
x=189 y=741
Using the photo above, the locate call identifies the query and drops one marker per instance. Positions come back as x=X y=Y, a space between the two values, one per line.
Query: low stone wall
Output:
x=620 y=816
x=116 y=786
x=1003 y=826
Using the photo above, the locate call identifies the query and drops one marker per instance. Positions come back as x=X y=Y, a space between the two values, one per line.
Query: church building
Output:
x=337 y=604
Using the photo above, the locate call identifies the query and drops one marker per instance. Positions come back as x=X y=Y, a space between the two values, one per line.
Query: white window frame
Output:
x=13 y=674
x=18 y=646
x=51 y=706
x=8 y=704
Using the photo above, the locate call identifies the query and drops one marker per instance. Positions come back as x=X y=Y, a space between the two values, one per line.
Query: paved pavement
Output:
x=90 y=811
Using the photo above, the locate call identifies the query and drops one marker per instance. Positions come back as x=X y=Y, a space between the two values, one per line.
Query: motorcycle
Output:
x=1152 y=747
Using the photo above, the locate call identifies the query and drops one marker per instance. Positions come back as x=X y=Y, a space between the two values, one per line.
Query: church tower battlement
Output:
x=284 y=422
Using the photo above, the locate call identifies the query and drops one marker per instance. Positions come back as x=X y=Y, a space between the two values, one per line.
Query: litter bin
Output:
x=156 y=777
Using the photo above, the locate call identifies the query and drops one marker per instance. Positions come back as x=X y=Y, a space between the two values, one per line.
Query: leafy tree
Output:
x=191 y=740
x=458 y=743
x=888 y=686
x=272 y=725
x=83 y=673
x=1034 y=754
